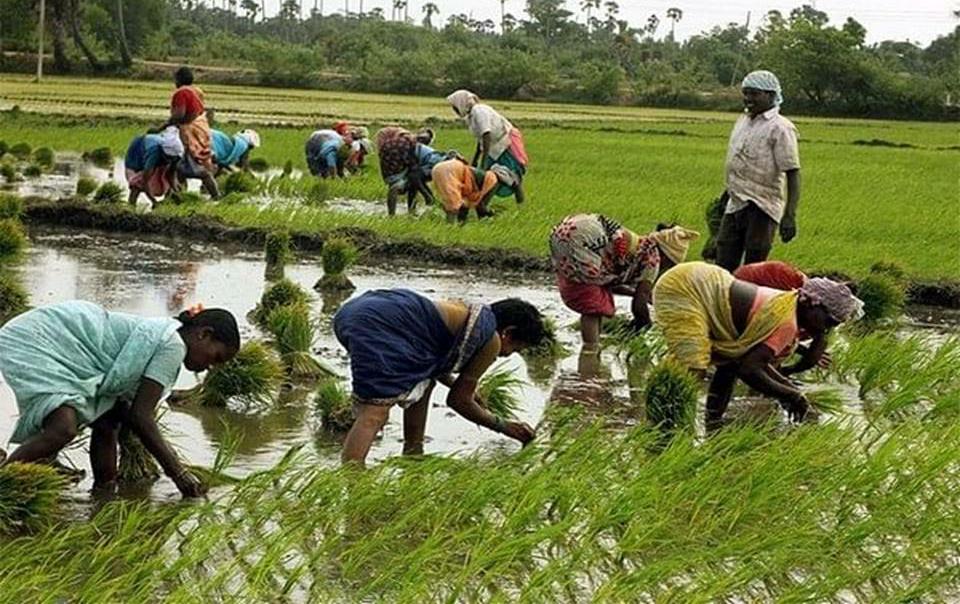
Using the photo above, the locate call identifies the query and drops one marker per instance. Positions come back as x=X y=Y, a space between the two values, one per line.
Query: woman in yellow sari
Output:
x=708 y=317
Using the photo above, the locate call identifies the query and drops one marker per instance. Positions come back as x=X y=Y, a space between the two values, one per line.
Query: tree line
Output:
x=546 y=53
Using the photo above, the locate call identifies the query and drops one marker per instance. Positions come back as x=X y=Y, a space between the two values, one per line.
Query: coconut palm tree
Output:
x=653 y=22
x=509 y=22
x=674 y=14
x=587 y=6
x=429 y=9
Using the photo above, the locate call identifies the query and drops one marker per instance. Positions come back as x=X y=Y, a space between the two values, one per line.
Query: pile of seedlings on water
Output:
x=335 y=406
x=276 y=252
x=282 y=293
x=21 y=151
x=252 y=378
x=33 y=170
x=14 y=298
x=29 y=497
x=671 y=400
x=86 y=186
x=44 y=157
x=101 y=157
x=338 y=255
x=13 y=239
x=136 y=465
x=499 y=393
x=294 y=332
x=9 y=172
x=109 y=193
x=11 y=206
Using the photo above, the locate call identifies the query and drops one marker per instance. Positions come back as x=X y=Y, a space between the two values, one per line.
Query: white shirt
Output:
x=484 y=118
x=761 y=149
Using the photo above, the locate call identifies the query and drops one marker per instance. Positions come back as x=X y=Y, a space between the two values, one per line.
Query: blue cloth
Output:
x=144 y=153
x=427 y=158
x=396 y=339
x=227 y=150
x=321 y=150
x=80 y=355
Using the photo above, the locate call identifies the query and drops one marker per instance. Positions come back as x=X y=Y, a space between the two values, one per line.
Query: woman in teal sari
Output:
x=74 y=364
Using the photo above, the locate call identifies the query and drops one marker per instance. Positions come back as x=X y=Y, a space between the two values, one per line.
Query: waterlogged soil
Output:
x=160 y=276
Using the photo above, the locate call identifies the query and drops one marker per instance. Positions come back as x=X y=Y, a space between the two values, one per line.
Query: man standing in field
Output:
x=763 y=147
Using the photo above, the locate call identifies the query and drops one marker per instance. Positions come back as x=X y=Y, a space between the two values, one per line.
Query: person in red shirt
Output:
x=188 y=113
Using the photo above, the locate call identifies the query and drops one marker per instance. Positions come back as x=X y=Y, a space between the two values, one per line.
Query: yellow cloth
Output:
x=675 y=242
x=691 y=305
x=456 y=183
x=196 y=139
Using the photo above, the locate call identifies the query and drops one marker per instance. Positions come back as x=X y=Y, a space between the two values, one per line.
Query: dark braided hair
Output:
x=220 y=321
x=523 y=317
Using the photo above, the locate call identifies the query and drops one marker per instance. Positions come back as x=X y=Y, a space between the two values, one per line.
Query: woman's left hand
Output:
x=188 y=484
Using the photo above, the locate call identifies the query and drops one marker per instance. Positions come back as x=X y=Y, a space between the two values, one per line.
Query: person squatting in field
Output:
x=596 y=258
x=76 y=364
x=406 y=163
x=327 y=153
x=401 y=344
x=230 y=152
x=709 y=317
x=762 y=149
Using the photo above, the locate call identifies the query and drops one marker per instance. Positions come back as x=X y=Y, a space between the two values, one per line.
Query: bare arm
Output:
x=788 y=224
x=639 y=305
x=810 y=357
x=485 y=144
x=756 y=370
x=477 y=154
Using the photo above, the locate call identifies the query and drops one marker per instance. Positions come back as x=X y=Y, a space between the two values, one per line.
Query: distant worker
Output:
x=500 y=145
x=763 y=148
x=151 y=162
x=326 y=153
x=233 y=151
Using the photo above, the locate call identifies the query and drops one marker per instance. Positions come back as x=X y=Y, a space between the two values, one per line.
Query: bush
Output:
x=335 y=406
x=29 y=496
x=86 y=186
x=672 y=396
x=282 y=293
x=102 y=157
x=12 y=238
x=259 y=164
x=14 y=298
x=253 y=377
x=883 y=297
x=240 y=182
x=338 y=254
x=11 y=205
x=109 y=192
x=21 y=151
x=44 y=156
x=32 y=171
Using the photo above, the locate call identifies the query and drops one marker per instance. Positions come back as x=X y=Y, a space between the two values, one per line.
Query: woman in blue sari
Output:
x=74 y=364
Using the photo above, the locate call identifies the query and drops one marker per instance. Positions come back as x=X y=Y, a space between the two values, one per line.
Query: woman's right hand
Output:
x=188 y=484
x=798 y=408
x=519 y=431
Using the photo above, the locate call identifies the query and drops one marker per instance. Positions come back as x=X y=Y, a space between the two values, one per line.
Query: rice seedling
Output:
x=44 y=157
x=712 y=216
x=13 y=239
x=21 y=151
x=883 y=297
x=294 y=332
x=11 y=206
x=102 y=157
x=29 y=496
x=4 y=147
x=259 y=164
x=32 y=171
x=240 y=182
x=337 y=256
x=136 y=464
x=9 y=173
x=186 y=198
x=499 y=392
x=108 y=193
x=252 y=378
x=550 y=347
x=827 y=401
x=282 y=293
x=335 y=406
x=232 y=199
x=671 y=398
x=14 y=298
x=276 y=252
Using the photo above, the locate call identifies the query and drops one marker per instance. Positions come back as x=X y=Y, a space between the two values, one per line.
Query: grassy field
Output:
x=861 y=203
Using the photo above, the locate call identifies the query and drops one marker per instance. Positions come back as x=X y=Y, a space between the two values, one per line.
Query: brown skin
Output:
x=462 y=399
x=62 y=425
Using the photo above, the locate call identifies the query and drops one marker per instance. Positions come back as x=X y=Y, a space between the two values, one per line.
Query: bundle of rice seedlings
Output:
x=889 y=268
x=338 y=255
x=12 y=238
x=14 y=298
x=335 y=406
x=9 y=172
x=259 y=164
x=550 y=346
x=136 y=464
x=713 y=216
x=29 y=496
x=829 y=401
x=4 y=147
x=883 y=297
x=499 y=393
x=252 y=378
x=276 y=251
x=109 y=192
x=11 y=205
x=44 y=157
x=86 y=186
x=240 y=182
x=102 y=157
x=21 y=151
x=282 y=293
x=32 y=171
x=294 y=332
x=671 y=398
x=288 y=168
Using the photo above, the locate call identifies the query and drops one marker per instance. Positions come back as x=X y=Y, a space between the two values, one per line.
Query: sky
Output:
x=917 y=20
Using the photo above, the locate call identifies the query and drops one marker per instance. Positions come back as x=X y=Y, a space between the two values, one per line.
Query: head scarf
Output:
x=764 y=80
x=251 y=136
x=342 y=127
x=170 y=142
x=836 y=298
x=463 y=101
x=360 y=132
x=674 y=242
x=425 y=136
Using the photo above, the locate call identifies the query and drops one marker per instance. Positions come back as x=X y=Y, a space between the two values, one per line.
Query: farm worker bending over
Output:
x=326 y=153
x=151 y=164
x=595 y=257
x=710 y=317
x=75 y=364
x=233 y=151
x=463 y=188
x=358 y=137
x=763 y=147
x=400 y=167
x=400 y=344
x=499 y=143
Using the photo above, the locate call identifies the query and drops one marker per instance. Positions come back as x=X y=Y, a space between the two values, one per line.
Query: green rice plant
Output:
x=9 y=172
x=4 y=147
x=672 y=398
x=828 y=401
x=13 y=239
x=136 y=465
x=282 y=293
x=647 y=347
x=21 y=151
x=252 y=378
x=550 y=346
x=499 y=393
x=883 y=297
x=32 y=171
x=294 y=332
x=186 y=198
x=240 y=182
x=44 y=157
x=335 y=406
x=14 y=298
x=288 y=167
x=29 y=497
x=276 y=252
x=109 y=193
x=213 y=478
x=889 y=268
x=86 y=186
x=338 y=254
x=102 y=157
x=259 y=164
x=11 y=205
x=232 y=199
x=713 y=215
